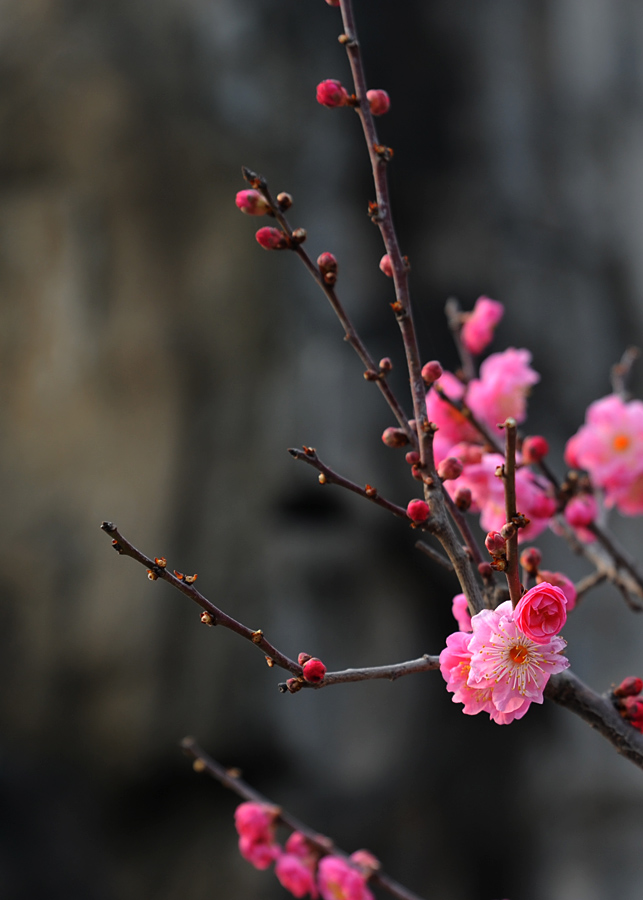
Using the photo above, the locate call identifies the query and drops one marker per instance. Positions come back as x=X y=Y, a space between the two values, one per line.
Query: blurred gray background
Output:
x=156 y=364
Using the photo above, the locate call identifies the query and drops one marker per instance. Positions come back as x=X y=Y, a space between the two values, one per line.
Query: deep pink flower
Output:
x=338 y=880
x=502 y=389
x=541 y=612
x=460 y=610
x=580 y=512
x=260 y=853
x=560 y=581
x=610 y=447
x=453 y=427
x=295 y=868
x=477 y=331
x=504 y=660
x=255 y=821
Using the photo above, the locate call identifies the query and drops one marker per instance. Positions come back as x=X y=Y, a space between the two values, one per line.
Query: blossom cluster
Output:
x=501 y=659
x=298 y=865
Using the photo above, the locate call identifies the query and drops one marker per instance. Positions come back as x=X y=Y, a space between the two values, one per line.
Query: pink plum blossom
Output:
x=260 y=853
x=541 y=612
x=580 y=512
x=505 y=660
x=610 y=447
x=461 y=614
x=255 y=821
x=453 y=427
x=502 y=389
x=295 y=868
x=477 y=331
x=338 y=880
x=560 y=581
x=455 y=666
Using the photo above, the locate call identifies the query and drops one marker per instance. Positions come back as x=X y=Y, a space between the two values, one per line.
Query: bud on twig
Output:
x=252 y=203
x=450 y=468
x=530 y=560
x=629 y=687
x=463 y=498
x=386 y=266
x=379 y=102
x=272 y=239
x=284 y=200
x=332 y=93
x=418 y=511
x=534 y=449
x=431 y=371
x=495 y=543
x=314 y=671
x=394 y=437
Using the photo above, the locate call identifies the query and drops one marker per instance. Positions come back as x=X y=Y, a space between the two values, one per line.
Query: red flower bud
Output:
x=327 y=263
x=252 y=203
x=534 y=449
x=378 y=101
x=495 y=543
x=450 y=468
x=629 y=687
x=332 y=93
x=485 y=569
x=431 y=371
x=385 y=265
x=303 y=658
x=530 y=559
x=272 y=239
x=314 y=671
x=463 y=498
x=394 y=437
x=386 y=365
x=633 y=711
x=418 y=511
x=412 y=457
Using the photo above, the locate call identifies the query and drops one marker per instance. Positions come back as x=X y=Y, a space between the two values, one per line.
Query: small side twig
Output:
x=509 y=475
x=435 y=555
x=622 y=371
x=454 y=321
x=392 y=672
x=231 y=779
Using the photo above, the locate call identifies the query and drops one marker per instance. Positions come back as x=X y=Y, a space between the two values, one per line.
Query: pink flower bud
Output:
x=463 y=498
x=541 y=612
x=450 y=468
x=260 y=853
x=534 y=449
x=272 y=239
x=530 y=559
x=581 y=510
x=327 y=263
x=394 y=437
x=629 y=687
x=412 y=457
x=314 y=671
x=385 y=265
x=252 y=203
x=255 y=821
x=378 y=101
x=303 y=658
x=332 y=93
x=477 y=330
x=386 y=365
x=418 y=511
x=495 y=543
x=633 y=711
x=560 y=581
x=431 y=371
x=460 y=610
x=485 y=569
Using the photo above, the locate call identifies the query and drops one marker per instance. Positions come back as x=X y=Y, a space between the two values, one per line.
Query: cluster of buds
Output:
x=332 y=93
x=327 y=268
x=627 y=699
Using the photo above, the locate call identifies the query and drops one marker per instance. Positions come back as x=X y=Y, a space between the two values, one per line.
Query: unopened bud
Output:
x=450 y=468
x=418 y=511
x=333 y=2
x=534 y=449
x=252 y=203
x=394 y=437
x=495 y=543
x=379 y=102
x=314 y=671
x=416 y=472
x=294 y=685
x=508 y=530
x=386 y=265
x=633 y=711
x=412 y=457
x=629 y=687
x=327 y=263
x=386 y=365
x=303 y=658
x=581 y=510
x=485 y=570
x=299 y=235
x=431 y=371
x=463 y=498
x=530 y=559
x=284 y=200
x=332 y=93
x=272 y=239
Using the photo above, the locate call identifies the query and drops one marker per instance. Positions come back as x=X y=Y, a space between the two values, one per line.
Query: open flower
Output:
x=338 y=880
x=502 y=389
x=479 y=325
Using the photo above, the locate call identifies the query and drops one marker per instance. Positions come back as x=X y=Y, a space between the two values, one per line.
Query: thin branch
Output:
x=492 y=440
x=454 y=321
x=216 y=616
x=509 y=476
x=618 y=554
x=435 y=555
x=622 y=371
x=231 y=779
x=586 y=584
x=425 y=663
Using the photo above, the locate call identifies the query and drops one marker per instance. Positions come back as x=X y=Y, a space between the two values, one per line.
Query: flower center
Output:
x=519 y=654
x=621 y=442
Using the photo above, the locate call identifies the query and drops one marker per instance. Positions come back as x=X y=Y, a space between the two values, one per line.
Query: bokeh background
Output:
x=155 y=365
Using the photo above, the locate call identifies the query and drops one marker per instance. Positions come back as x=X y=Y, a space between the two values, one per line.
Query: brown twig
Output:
x=622 y=371
x=454 y=321
x=586 y=584
x=435 y=555
x=618 y=554
x=512 y=570
x=425 y=663
x=216 y=615
x=231 y=779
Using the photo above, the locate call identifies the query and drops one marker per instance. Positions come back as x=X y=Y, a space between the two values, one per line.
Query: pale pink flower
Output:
x=505 y=660
x=338 y=880
x=455 y=666
x=502 y=389
x=453 y=427
x=477 y=331
x=580 y=512
x=610 y=447
x=260 y=853
x=461 y=614
x=297 y=874
x=560 y=581
x=541 y=612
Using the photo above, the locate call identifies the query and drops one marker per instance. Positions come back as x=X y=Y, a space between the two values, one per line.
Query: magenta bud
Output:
x=450 y=468
x=386 y=365
x=416 y=472
x=394 y=437
x=463 y=498
x=495 y=543
x=412 y=457
x=386 y=266
x=303 y=658
x=418 y=511
x=530 y=560
x=272 y=239
x=327 y=263
x=332 y=93
x=633 y=711
x=379 y=102
x=252 y=203
x=629 y=687
x=484 y=568
x=314 y=671
x=534 y=449
x=431 y=371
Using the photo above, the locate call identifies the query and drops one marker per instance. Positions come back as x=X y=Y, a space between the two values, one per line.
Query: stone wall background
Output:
x=155 y=365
